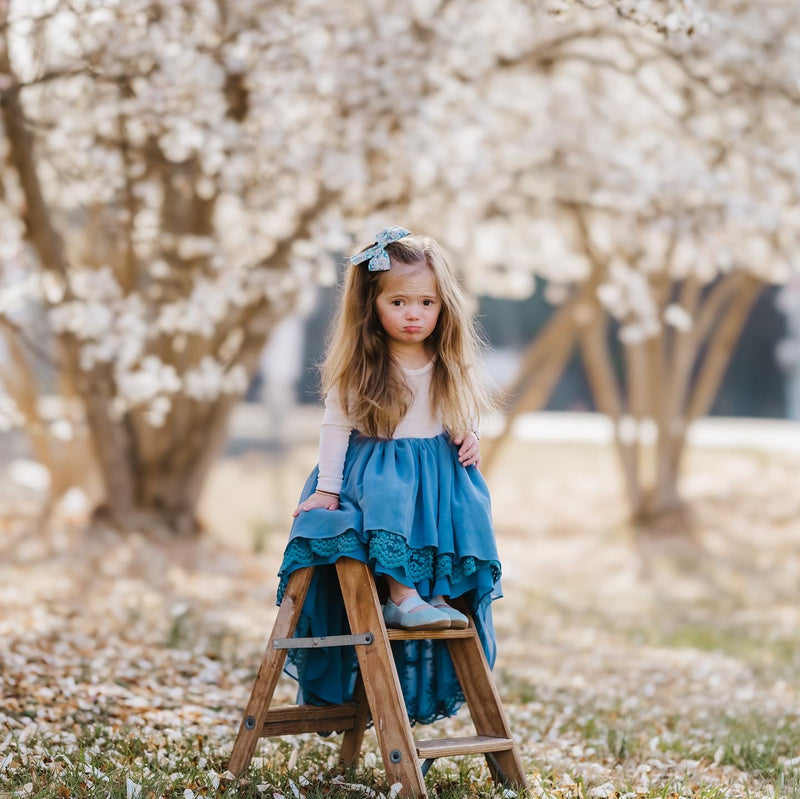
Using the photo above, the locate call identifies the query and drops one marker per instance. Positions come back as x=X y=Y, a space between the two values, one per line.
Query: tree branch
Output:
x=720 y=347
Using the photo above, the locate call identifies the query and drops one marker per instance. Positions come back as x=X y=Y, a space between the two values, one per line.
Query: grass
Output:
x=761 y=746
x=101 y=762
x=679 y=684
x=122 y=764
x=110 y=762
x=758 y=647
x=758 y=744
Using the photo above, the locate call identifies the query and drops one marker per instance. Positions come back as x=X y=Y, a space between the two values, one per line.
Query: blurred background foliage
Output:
x=617 y=181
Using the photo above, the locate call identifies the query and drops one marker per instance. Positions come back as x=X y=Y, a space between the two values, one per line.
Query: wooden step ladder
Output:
x=378 y=691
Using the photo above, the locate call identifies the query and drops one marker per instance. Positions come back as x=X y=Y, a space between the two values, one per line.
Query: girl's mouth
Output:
x=412 y=328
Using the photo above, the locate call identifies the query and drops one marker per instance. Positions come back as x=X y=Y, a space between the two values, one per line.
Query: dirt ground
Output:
x=630 y=663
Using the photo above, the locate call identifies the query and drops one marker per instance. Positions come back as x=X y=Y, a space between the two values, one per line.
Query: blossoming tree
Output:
x=174 y=175
x=177 y=173
x=168 y=165
x=674 y=204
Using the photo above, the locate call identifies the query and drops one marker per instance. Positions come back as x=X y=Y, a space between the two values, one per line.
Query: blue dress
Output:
x=410 y=510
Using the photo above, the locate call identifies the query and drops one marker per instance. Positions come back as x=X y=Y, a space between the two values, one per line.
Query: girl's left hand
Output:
x=469 y=453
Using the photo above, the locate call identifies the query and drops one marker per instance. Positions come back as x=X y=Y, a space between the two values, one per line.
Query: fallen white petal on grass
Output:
x=26 y=734
x=97 y=774
x=357 y=786
x=602 y=791
x=604 y=698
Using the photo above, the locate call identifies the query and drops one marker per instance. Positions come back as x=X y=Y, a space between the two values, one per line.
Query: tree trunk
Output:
x=720 y=324
x=607 y=397
x=657 y=385
x=152 y=478
x=718 y=352
x=108 y=439
x=543 y=363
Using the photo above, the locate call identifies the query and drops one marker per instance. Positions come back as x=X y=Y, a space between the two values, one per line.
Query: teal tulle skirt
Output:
x=410 y=510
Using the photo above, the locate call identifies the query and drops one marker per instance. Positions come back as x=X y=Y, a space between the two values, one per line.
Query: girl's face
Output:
x=408 y=306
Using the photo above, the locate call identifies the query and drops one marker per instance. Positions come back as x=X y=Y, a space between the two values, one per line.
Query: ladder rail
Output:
x=381 y=682
x=269 y=671
x=485 y=706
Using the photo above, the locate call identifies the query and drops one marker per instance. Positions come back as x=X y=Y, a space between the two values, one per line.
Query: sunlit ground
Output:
x=630 y=665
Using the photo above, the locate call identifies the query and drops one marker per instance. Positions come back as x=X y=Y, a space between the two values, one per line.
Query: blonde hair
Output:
x=359 y=363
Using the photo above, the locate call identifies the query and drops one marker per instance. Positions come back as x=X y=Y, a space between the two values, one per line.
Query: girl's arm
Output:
x=333 y=442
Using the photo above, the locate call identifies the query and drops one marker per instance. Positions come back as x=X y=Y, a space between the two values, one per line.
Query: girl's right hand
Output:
x=317 y=500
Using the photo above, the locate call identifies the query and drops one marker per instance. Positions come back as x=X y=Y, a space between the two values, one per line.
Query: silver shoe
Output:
x=429 y=618
x=458 y=621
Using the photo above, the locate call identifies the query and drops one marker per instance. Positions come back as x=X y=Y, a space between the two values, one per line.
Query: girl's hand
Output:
x=317 y=500
x=469 y=453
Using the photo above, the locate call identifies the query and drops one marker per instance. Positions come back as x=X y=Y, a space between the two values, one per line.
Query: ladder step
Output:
x=469 y=745
x=294 y=719
x=396 y=634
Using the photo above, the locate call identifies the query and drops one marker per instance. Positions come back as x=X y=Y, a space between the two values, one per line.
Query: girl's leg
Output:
x=400 y=593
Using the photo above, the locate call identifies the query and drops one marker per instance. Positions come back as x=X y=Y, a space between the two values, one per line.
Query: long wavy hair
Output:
x=360 y=366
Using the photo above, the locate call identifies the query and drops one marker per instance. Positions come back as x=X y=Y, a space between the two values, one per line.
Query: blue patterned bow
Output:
x=377 y=255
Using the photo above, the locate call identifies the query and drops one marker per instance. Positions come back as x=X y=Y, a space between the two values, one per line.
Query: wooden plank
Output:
x=294 y=719
x=381 y=682
x=469 y=745
x=484 y=704
x=424 y=635
x=269 y=671
x=352 y=739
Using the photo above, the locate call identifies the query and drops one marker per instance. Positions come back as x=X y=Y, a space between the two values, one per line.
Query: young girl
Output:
x=397 y=485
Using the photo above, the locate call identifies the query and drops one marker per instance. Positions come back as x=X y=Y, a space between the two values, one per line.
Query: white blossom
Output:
x=95 y=285
x=678 y=317
x=10 y=415
x=530 y=147
x=210 y=380
x=62 y=429
x=152 y=380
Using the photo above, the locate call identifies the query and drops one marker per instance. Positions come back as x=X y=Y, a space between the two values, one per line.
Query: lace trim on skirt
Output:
x=385 y=549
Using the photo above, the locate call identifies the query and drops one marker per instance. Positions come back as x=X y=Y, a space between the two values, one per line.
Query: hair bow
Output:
x=378 y=257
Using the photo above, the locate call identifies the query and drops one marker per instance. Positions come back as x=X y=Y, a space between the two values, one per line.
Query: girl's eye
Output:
x=427 y=302
x=397 y=303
